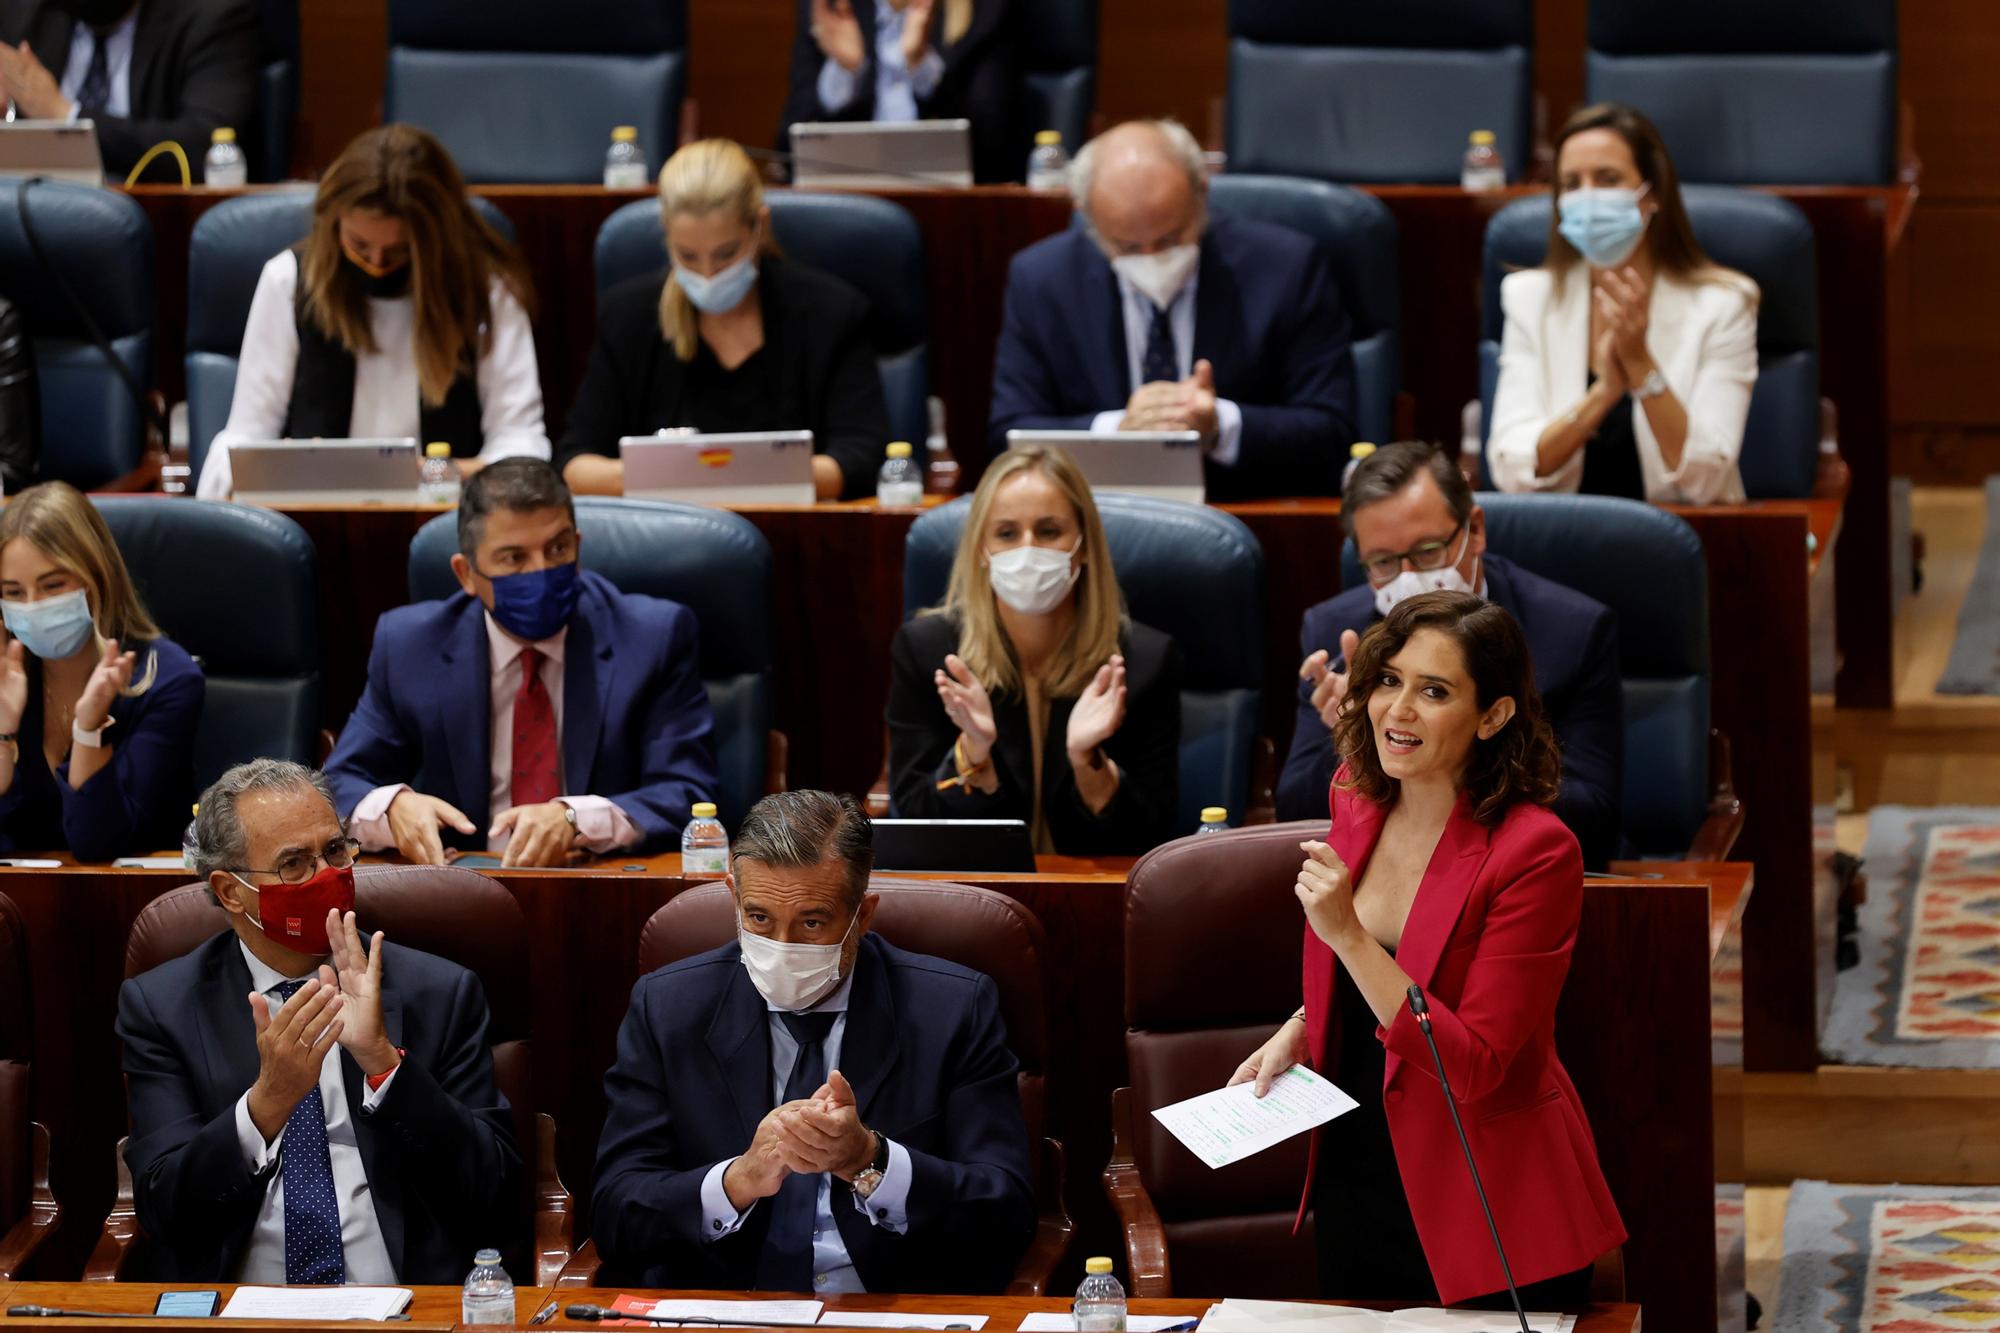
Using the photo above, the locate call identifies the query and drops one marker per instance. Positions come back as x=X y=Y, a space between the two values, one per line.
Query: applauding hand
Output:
x=967 y=705
x=108 y=678
x=838 y=34
x=357 y=974
x=916 y=31
x=1099 y=711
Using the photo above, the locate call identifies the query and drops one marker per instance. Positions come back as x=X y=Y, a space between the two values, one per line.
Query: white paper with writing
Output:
x=1230 y=1124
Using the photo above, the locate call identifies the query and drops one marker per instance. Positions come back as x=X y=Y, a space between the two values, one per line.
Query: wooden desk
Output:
x=434 y=1308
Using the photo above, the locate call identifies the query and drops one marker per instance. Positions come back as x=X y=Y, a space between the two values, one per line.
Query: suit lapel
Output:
x=1218 y=336
x=868 y=1047
x=1448 y=881
x=1103 y=310
x=148 y=36
x=466 y=680
x=229 y=1036
x=384 y=1186
x=739 y=1037
x=586 y=680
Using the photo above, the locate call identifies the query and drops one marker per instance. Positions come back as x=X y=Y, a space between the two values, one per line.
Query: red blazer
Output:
x=1488 y=939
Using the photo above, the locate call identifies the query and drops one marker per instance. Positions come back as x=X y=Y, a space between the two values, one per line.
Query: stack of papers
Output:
x=883 y=1319
x=1230 y=1124
x=283 y=1304
x=1134 y=1323
x=721 y=1312
x=1300 y=1317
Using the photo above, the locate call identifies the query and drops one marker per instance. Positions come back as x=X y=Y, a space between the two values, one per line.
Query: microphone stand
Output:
x=1421 y=1011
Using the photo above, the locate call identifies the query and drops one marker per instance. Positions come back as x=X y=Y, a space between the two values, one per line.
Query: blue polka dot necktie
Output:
x=787 y=1261
x=312 y=1213
x=95 y=94
x=1162 y=364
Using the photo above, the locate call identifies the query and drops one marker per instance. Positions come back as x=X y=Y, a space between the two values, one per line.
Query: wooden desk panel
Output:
x=435 y=1308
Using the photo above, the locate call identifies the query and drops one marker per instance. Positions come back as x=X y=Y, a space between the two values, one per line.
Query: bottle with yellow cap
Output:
x=438 y=481
x=1048 y=164
x=625 y=161
x=1214 y=819
x=704 y=843
x=225 y=167
x=1357 y=451
x=901 y=481
x=1482 y=170
x=1100 y=1302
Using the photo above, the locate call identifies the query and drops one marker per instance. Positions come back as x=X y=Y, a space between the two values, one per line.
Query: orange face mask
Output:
x=372 y=270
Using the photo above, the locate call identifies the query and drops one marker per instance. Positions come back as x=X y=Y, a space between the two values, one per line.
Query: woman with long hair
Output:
x=403 y=314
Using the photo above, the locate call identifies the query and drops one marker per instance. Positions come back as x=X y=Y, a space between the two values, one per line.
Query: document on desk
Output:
x=1049 y=1321
x=884 y=1319
x=721 y=1312
x=283 y=1304
x=1230 y=1124
x=1239 y=1316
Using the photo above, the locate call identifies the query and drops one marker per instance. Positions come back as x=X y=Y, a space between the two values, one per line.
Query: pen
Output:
x=546 y=1313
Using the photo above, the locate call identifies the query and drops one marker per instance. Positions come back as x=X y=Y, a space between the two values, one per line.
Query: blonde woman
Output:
x=1029 y=694
x=403 y=313
x=97 y=708
x=730 y=337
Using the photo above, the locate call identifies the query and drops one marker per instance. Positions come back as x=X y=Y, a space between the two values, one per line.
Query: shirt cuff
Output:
x=600 y=825
x=1228 y=433
x=1104 y=423
x=928 y=73
x=374 y=1095
x=257 y=1154
x=837 y=85
x=75 y=112
x=369 y=824
x=719 y=1217
x=889 y=1206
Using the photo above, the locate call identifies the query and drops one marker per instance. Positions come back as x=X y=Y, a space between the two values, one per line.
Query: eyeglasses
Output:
x=298 y=866
x=1423 y=556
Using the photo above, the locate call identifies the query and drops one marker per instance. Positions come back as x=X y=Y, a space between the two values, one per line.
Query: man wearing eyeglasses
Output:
x=1416 y=529
x=307 y=1106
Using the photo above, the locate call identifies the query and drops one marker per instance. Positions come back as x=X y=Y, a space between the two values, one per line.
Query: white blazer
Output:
x=1703 y=337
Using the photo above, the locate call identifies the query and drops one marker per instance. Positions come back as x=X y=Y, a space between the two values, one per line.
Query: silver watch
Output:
x=1652 y=386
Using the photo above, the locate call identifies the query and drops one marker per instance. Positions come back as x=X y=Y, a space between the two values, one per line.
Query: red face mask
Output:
x=294 y=915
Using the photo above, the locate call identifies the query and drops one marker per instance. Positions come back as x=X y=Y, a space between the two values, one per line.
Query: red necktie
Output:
x=537 y=756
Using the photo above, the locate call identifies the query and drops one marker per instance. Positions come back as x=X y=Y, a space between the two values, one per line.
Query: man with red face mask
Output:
x=308 y=1107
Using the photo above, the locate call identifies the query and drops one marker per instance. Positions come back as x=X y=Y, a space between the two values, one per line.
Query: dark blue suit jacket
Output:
x=1267 y=315
x=443 y=1168
x=1574 y=640
x=926 y=1051
x=636 y=725
x=139 y=801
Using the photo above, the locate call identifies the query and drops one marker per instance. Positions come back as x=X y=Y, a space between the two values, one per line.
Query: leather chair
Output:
x=711 y=561
x=1350 y=91
x=1187 y=570
x=270 y=146
x=28 y=1212
x=100 y=246
x=870 y=243
x=529 y=92
x=976 y=928
x=227 y=251
x=1726 y=85
x=1646 y=564
x=420 y=907
x=1059 y=63
x=1358 y=235
x=263 y=672
x=1759 y=234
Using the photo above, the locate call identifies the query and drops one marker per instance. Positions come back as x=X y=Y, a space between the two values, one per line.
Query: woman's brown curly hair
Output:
x=1520 y=762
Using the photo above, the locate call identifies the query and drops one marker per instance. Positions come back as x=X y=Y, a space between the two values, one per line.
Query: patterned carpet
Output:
x=1974 y=665
x=1890 y=1259
x=1927 y=990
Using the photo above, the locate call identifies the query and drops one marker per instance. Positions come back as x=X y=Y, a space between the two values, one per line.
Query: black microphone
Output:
x=51 y=1312
x=1422 y=1013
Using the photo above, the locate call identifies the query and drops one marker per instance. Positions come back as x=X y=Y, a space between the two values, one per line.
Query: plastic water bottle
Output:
x=1357 y=451
x=1214 y=819
x=901 y=481
x=941 y=473
x=704 y=844
x=225 y=164
x=1100 y=1301
x=1483 y=169
x=437 y=479
x=489 y=1292
x=1048 y=164
x=625 y=161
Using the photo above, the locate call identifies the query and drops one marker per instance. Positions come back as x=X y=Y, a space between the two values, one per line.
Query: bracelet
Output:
x=1299 y=1017
x=966 y=771
x=93 y=740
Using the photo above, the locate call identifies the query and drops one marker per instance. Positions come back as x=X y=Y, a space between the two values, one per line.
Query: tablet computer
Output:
x=1164 y=464
x=339 y=472
x=738 y=468
x=876 y=155
x=54 y=148
x=958 y=845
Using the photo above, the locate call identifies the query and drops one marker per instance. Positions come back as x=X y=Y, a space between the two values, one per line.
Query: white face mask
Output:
x=1032 y=579
x=1159 y=277
x=792 y=976
x=1413 y=581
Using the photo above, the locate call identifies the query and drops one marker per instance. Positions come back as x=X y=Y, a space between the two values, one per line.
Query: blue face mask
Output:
x=1604 y=225
x=536 y=604
x=719 y=293
x=53 y=628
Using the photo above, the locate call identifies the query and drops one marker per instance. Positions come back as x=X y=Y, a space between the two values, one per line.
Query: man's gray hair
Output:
x=217 y=840
x=800 y=829
x=1181 y=147
x=1392 y=467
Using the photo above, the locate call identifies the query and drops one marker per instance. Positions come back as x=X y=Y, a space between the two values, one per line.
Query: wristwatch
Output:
x=1652 y=386
x=869 y=1176
x=92 y=739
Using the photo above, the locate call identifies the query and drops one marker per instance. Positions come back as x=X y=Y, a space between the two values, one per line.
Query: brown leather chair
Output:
x=28 y=1212
x=456 y=914
x=976 y=928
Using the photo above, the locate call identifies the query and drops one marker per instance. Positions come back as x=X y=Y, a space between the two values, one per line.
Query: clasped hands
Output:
x=838 y=33
x=1166 y=405
x=822 y=1133
x=1618 y=355
x=343 y=1005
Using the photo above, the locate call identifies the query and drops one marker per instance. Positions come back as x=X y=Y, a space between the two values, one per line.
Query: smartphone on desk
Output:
x=186 y=1305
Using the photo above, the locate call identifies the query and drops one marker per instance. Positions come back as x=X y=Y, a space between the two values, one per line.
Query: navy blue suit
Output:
x=1574 y=640
x=443 y=1169
x=139 y=801
x=1268 y=316
x=926 y=1052
x=636 y=726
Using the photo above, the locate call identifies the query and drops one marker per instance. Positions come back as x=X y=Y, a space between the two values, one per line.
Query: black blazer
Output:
x=981 y=83
x=20 y=404
x=443 y=1168
x=194 y=68
x=926 y=1051
x=1146 y=748
x=815 y=325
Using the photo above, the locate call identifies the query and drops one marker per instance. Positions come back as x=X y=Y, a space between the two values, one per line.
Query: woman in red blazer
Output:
x=1445 y=869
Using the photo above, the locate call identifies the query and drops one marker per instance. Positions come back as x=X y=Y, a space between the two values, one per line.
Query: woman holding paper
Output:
x=1445 y=869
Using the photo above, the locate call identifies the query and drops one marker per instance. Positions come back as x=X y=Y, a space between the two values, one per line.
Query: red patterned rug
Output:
x=1890 y=1259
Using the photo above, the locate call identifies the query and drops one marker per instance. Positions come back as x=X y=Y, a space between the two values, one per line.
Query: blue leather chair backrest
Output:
x=227 y=251
x=1358 y=234
x=1377 y=90
x=1059 y=67
x=1751 y=232
x=101 y=244
x=871 y=243
x=711 y=561
x=1187 y=570
x=1645 y=564
x=270 y=146
x=1794 y=92
x=528 y=91
x=258 y=645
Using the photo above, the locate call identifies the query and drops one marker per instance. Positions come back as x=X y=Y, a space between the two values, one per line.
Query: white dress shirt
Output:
x=367 y=1256
x=387 y=402
x=1138 y=309
x=898 y=88
x=117 y=60
x=887 y=1207
x=601 y=826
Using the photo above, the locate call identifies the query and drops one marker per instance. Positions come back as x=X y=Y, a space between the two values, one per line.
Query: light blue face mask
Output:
x=1603 y=224
x=53 y=628
x=721 y=292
